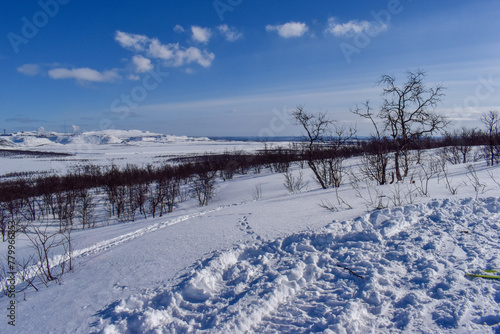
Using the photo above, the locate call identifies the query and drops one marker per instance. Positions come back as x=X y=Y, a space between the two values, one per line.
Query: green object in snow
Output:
x=485 y=276
x=491 y=271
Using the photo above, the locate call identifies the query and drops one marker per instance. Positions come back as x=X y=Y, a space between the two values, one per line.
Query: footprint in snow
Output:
x=244 y=226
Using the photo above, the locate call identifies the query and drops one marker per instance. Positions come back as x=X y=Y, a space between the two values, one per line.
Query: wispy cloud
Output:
x=171 y=54
x=29 y=69
x=289 y=30
x=142 y=64
x=84 y=74
x=178 y=28
x=231 y=34
x=24 y=120
x=342 y=95
x=201 y=35
x=131 y=41
x=353 y=27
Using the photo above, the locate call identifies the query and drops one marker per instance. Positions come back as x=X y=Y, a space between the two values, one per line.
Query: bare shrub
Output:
x=376 y=158
x=375 y=166
x=184 y=194
x=156 y=196
x=171 y=188
x=403 y=193
x=203 y=186
x=257 y=192
x=448 y=181
x=65 y=208
x=327 y=205
x=142 y=198
x=43 y=242
x=424 y=174
x=368 y=192
x=85 y=208
x=479 y=187
x=294 y=183
x=341 y=203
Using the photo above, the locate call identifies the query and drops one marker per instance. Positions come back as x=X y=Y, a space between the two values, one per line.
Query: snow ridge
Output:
x=393 y=270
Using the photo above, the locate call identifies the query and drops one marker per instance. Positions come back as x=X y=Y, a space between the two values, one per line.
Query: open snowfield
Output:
x=275 y=264
x=106 y=147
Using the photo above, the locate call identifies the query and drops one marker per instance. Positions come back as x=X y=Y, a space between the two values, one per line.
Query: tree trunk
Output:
x=316 y=173
x=396 y=166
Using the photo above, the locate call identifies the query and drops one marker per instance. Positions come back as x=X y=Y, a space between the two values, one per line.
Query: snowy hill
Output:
x=104 y=137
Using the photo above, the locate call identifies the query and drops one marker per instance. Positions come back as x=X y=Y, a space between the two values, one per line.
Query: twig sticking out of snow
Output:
x=350 y=270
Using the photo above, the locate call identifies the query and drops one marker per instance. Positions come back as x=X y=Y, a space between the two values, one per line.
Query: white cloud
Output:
x=171 y=54
x=83 y=74
x=353 y=27
x=178 y=28
x=192 y=54
x=29 y=69
x=200 y=34
x=162 y=51
x=131 y=41
x=142 y=64
x=231 y=34
x=176 y=56
x=290 y=29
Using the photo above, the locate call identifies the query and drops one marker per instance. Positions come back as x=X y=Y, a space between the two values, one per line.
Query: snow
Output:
x=103 y=137
x=106 y=147
x=279 y=264
x=411 y=279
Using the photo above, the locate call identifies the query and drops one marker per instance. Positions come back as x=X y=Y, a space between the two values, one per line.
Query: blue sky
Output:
x=236 y=67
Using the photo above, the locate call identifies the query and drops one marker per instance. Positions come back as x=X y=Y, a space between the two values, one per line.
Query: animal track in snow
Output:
x=244 y=226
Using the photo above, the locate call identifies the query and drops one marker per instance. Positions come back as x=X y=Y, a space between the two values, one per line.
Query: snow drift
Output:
x=394 y=270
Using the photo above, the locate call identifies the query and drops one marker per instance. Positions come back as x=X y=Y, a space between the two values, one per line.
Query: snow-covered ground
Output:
x=282 y=263
x=107 y=147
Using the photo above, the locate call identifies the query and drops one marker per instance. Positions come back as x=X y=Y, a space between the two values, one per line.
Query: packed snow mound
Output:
x=105 y=137
x=30 y=141
x=393 y=270
x=6 y=143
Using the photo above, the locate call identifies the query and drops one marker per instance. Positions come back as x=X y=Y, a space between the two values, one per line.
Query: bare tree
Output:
x=85 y=207
x=491 y=120
x=408 y=114
x=326 y=143
x=3 y=222
x=316 y=127
x=460 y=145
x=203 y=185
x=376 y=157
x=338 y=143
x=172 y=190
x=156 y=196
x=141 y=197
x=65 y=207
